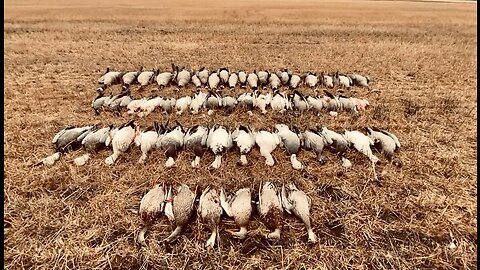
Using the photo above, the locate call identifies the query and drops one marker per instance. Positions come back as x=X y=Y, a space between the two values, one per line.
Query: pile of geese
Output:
x=179 y=208
x=276 y=101
x=221 y=78
x=219 y=139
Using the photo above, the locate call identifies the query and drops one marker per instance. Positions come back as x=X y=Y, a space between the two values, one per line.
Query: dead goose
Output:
x=146 y=77
x=203 y=75
x=111 y=78
x=360 y=104
x=252 y=80
x=239 y=207
x=311 y=80
x=229 y=103
x=183 y=77
x=361 y=143
x=196 y=81
x=280 y=102
x=210 y=211
x=70 y=138
x=164 y=79
x=198 y=102
x=295 y=81
x=93 y=142
x=171 y=142
x=316 y=141
x=262 y=101
x=130 y=77
x=232 y=80
x=267 y=142
x=296 y=201
x=147 y=140
x=149 y=106
x=291 y=141
x=263 y=78
x=247 y=100
x=244 y=140
x=213 y=81
x=134 y=105
x=270 y=209
x=330 y=102
x=385 y=142
x=299 y=101
x=179 y=208
x=328 y=81
x=167 y=104
x=219 y=140
x=120 y=138
x=315 y=103
x=120 y=102
x=242 y=78
x=101 y=80
x=346 y=104
x=337 y=143
x=151 y=208
x=274 y=81
x=284 y=76
x=224 y=74
x=98 y=102
x=182 y=104
x=213 y=101
x=196 y=140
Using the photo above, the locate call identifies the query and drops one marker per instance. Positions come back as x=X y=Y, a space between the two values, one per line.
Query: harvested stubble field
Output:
x=422 y=56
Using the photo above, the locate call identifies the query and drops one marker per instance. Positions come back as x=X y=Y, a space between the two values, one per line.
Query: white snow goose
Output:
x=267 y=142
x=291 y=141
x=171 y=142
x=120 y=138
x=219 y=140
x=244 y=140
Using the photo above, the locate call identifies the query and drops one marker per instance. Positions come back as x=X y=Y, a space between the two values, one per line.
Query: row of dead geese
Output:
x=219 y=139
x=226 y=78
x=179 y=208
x=276 y=101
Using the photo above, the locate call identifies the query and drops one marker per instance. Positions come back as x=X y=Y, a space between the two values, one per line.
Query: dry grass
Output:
x=421 y=55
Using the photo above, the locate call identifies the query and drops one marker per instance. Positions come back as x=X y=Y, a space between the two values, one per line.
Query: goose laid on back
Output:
x=262 y=101
x=263 y=76
x=95 y=140
x=238 y=207
x=130 y=78
x=385 y=142
x=182 y=104
x=229 y=103
x=196 y=81
x=297 y=202
x=146 y=77
x=328 y=81
x=291 y=141
x=280 y=102
x=242 y=78
x=164 y=79
x=196 y=140
x=213 y=101
x=179 y=209
x=299 y=101
x=111 y=78
x=314 y=140
x=151 y=208
x=70 y=138
x=361 y=143
x=247 y=100
x=203 y=75
x=183 y=77
x=284 y=76
x=120 y=138
x=213 y=81
x=135 y=105
x=295 y=81
x=270 y=209
x=210 y=211
x=311 y=80
x=316 y=103
x=232 y=80
x=171 y=141
x=252 y=80
x=147 y=140
x=219 y=140
x=244 y=140
x=98 y=102
x=224 y=74
x=198 y=102
x=267 y=142
x=274 y=81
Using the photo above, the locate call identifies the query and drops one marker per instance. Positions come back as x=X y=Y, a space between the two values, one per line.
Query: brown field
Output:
x=421 y=55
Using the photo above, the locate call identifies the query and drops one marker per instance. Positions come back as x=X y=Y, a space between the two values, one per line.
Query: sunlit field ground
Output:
x=420 y=55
